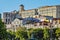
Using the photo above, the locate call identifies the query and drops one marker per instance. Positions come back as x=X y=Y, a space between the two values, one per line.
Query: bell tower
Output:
x=21 y=7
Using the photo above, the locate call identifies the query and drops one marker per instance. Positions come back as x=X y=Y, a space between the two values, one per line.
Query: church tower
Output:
x=21 y=7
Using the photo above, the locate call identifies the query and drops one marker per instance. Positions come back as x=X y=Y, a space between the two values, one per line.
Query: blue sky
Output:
x=10 y=5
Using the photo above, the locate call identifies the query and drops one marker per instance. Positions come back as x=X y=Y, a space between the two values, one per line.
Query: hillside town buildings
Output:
x=34 y=18
x=8 y=17
x=53 y=11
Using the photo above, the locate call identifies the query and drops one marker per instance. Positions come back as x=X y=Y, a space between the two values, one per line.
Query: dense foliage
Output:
x=2 y=31
x=25 y=34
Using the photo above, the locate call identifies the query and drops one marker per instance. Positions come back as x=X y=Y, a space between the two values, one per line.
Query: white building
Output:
x=16 y=23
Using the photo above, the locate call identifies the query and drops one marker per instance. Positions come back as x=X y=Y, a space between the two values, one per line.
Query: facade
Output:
x=50 y=11
x=16 y=23
x=8 y=17
x=53 y=11
x=9 y=27
x=27 y=13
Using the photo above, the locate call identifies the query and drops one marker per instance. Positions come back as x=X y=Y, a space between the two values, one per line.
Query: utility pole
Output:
x=51 y=32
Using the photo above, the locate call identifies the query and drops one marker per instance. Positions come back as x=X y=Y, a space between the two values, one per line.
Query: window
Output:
x=6 y=20
x=16 y=25
x=19 y=25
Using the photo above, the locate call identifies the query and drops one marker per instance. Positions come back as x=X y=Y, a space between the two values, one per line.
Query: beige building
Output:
x=50 y=11
x=16 y=23
x=27 y=13
x=45 y=10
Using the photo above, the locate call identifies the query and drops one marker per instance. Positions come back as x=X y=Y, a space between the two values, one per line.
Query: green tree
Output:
x=57 y=32
x=46 y=33
x=21 y=33
x=29 y=32
x=53 y=33
x=38 y=33
x=3 y=32
x=11 y=34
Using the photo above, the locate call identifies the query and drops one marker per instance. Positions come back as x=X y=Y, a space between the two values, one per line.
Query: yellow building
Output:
x=26 y=13
x=50 y=11
x=45 y=10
